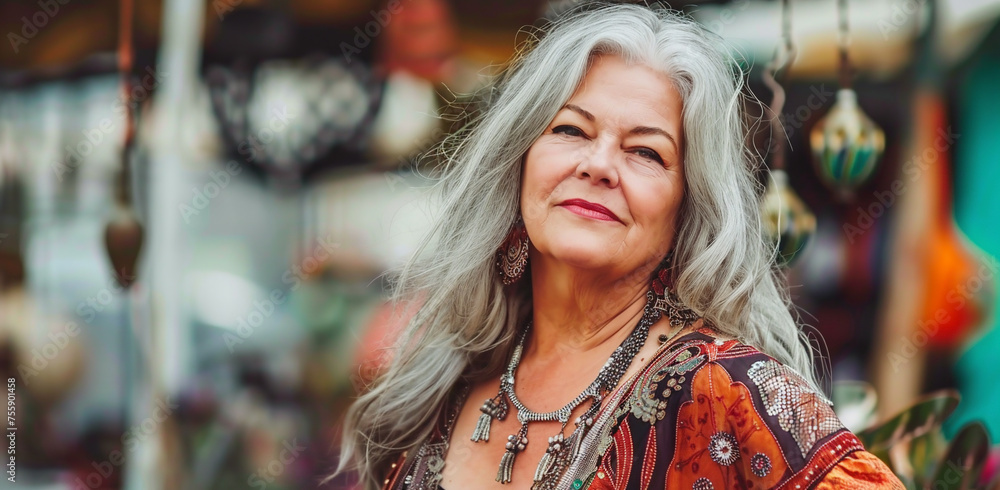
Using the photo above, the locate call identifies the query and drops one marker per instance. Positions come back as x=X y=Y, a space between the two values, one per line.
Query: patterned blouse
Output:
x=703 y=414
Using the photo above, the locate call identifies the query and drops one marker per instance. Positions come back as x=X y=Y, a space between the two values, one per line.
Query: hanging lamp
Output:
x=787 y=221
x=846 y=144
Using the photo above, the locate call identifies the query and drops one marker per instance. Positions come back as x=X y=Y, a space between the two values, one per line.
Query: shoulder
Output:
x=704 y=364
x=718 y=413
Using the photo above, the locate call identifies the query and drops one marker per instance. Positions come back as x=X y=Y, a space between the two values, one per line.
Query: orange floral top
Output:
x=708 y=414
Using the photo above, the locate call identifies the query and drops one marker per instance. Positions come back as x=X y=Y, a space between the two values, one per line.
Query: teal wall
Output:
x=977 y=212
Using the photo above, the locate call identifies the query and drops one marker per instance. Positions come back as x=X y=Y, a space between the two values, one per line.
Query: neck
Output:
x=577 y=312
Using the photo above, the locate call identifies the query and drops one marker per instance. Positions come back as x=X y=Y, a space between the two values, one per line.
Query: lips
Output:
x=589 y=209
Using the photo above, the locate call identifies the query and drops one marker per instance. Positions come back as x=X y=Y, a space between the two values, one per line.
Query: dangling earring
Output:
x=665 y=296
x=512 y=257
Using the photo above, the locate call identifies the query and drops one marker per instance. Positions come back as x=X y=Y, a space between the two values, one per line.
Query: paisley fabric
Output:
x=712 y=414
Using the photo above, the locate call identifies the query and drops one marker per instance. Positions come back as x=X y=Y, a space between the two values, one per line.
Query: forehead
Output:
x=628 y=93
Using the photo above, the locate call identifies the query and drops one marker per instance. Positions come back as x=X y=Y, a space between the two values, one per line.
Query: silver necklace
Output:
x=561 y=450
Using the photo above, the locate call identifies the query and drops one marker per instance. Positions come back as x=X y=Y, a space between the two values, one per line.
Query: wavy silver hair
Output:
x=466 y=324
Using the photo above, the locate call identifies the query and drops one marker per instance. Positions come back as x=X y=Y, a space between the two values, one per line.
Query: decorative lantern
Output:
x=846 y=143
x=787 y=221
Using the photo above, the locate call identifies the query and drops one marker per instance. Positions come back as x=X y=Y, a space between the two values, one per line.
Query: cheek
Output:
x=657 y=208
x=540 y=176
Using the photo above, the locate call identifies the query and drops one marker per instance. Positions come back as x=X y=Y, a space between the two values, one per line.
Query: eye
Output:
x=649 y=154
x=568 y=130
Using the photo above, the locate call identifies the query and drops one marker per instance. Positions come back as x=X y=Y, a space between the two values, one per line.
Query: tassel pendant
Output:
x=494 y=408
x=515 y=444
x=586 y=421
x=482 y=432
x=506 y=467
x=543 y=466
x=555 y=445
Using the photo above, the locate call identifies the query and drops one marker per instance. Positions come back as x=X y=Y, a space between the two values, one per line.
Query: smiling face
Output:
x=603 y=185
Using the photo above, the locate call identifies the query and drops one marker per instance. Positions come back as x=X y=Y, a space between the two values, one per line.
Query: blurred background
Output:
x=198 y=200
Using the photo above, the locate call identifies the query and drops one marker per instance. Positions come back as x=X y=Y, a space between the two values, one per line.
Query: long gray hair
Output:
x=466 y=324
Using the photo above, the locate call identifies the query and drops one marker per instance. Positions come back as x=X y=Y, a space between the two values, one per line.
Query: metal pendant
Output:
x=493 y=408
x=555 y=445
x=515 y=444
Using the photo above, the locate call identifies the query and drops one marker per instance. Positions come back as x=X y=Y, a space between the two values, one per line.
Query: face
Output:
x=602 y=186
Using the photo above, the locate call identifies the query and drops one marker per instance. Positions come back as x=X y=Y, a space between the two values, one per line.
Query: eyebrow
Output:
x=583 y=112
x=645 y=130
x=638 y=130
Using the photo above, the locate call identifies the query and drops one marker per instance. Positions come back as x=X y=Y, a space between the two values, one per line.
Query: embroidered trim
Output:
x=674 y=362
x=827 y=456
x=803 y=413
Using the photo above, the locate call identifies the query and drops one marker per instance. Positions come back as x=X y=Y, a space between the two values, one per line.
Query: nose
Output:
x=598 y=163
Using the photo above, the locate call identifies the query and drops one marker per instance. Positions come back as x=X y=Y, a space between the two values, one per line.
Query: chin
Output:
x=583 y=250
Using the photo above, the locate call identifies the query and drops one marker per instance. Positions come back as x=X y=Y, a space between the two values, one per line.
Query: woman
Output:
x=629 y=332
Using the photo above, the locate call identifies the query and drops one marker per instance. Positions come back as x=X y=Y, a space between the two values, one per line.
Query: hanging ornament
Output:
x=787 y=220
x=123 y=237
x=788 y=223
x=846 y=143
x=123 y=234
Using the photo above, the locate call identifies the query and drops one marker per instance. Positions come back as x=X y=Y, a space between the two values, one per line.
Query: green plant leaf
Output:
x=922 y=417
x=963 y=462
x=924 y=453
